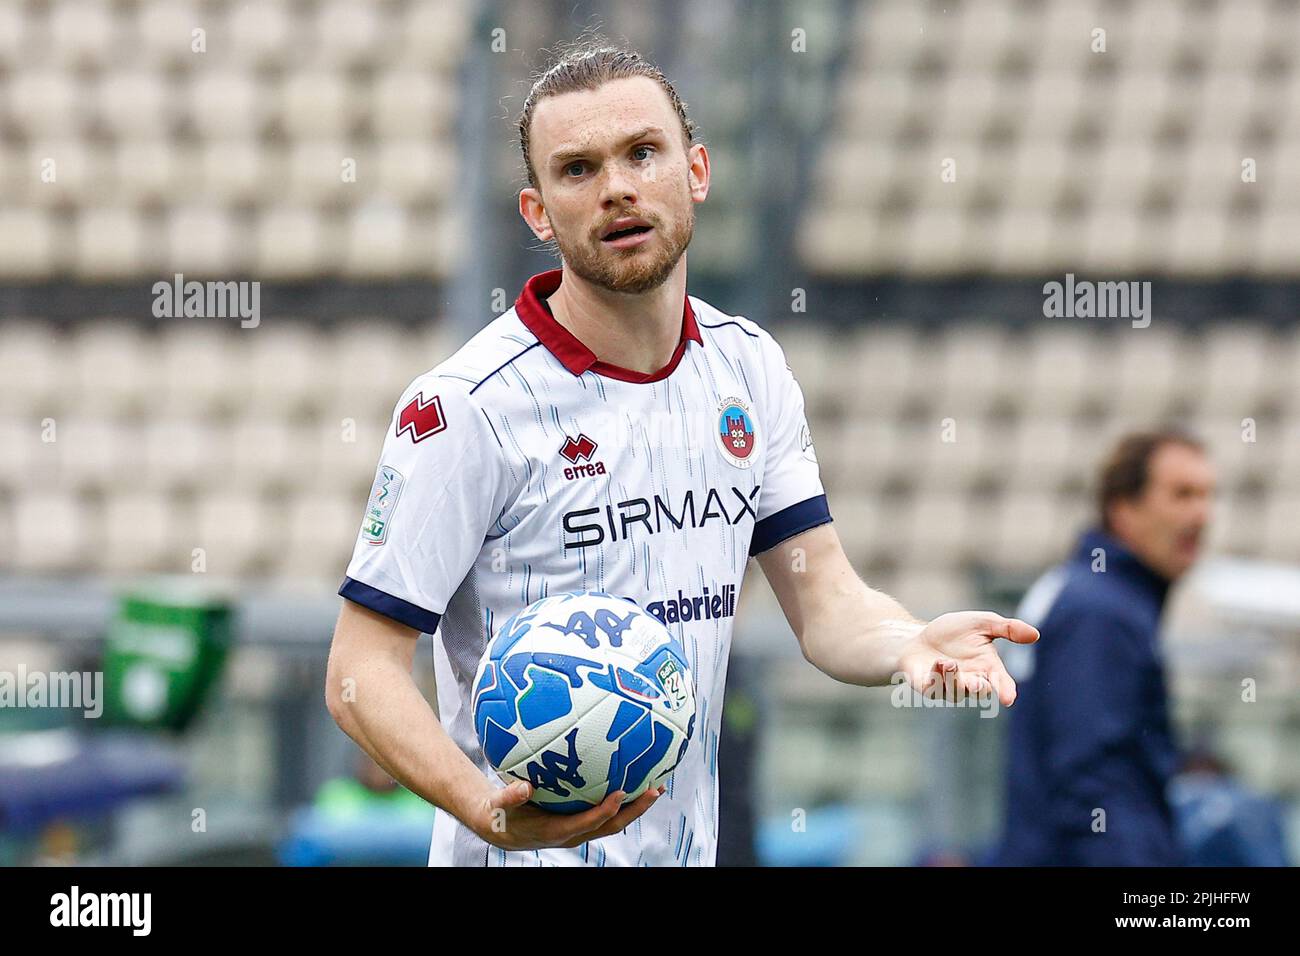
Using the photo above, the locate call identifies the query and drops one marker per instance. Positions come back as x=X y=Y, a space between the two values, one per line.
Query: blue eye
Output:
x=569 y=169
x=646 y=149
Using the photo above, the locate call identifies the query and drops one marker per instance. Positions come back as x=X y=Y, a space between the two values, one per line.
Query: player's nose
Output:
x=620 y=188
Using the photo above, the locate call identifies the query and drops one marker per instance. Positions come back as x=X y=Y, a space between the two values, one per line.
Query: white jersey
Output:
x=522 y=466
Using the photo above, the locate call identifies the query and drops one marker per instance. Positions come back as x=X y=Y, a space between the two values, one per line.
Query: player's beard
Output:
x=636 y=270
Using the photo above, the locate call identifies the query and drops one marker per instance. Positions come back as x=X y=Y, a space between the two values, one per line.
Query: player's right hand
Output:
x=510 y=822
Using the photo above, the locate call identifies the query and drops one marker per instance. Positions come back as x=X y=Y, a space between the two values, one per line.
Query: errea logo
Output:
x=421 y=419
x=576 y=450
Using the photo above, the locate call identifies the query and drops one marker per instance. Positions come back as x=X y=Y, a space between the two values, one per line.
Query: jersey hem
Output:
x=404 y=612
x=788 y=522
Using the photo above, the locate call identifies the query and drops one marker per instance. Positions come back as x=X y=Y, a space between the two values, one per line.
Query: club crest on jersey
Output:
x=736 y=436
x=421 y=418
x=576 y=450
x=379 y=508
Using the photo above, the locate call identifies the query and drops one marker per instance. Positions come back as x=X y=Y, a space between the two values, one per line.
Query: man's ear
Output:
x=697 y=159
x=1122 y=514
x=533 y=211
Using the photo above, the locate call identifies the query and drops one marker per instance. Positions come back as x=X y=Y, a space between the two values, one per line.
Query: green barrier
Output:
x=164 y=651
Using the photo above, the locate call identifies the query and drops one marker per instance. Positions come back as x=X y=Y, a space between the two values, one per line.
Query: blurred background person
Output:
x=1091 y=750
x=1221 y=821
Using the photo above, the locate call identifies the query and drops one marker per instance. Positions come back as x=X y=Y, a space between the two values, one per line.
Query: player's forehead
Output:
x=594 y=119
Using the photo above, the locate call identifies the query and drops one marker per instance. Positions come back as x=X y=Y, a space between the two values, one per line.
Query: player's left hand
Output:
x=954 y=654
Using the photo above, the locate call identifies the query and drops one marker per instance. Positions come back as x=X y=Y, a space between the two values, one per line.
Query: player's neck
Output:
x=638 y=332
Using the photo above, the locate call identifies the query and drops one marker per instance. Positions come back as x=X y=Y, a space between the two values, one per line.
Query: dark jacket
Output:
x=1090 y=728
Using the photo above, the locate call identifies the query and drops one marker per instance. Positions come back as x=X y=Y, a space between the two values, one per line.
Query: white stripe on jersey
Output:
x=527 y=467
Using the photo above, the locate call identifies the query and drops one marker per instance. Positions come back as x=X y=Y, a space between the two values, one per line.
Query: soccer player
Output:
x=608 y=433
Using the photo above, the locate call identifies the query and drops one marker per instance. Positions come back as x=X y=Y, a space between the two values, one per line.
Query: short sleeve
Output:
x=438 y=491
x=791 y=499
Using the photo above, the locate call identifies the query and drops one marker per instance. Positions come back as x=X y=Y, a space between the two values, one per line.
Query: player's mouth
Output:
x=626 y=233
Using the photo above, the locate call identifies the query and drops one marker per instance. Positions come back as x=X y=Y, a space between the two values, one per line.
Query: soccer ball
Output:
x=582 y=694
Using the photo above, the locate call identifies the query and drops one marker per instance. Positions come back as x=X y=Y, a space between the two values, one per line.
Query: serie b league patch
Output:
x=382 y=501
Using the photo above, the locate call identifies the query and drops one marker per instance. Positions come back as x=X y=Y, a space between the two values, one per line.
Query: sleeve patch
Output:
x=381 y=504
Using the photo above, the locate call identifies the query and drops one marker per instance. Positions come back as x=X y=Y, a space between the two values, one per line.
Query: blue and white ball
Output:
x=582 y=694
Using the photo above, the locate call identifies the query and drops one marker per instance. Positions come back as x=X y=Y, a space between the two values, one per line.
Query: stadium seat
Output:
x=64 y=173
x=955 y=449
x=268 y=453
x=149 y=171
x=20 y=437
x=1029 y=533
x=1278 y=242
x=53 y=531
x=292 y=242
x=972 y=373
x=933 y=591
x=1285 y=442
x=1023 y=241
x=111 y=243
x=91 y=452
x=316 y=102
x=204 y=366
x=346 y=451
x=942 y=531
x=368 y=364
x=433 y=33
x=410 y=170
x=283 y=371
x=164 y=31
x=1236 y=366
x=377 y=243
x=855 y=519
x=177 y=452
x=114 y=360
x=348 y=34
x=1063 y=371
x=46 y=103
x=1237 y=526
x=202 y=241
x=321 y=529
x=877 y=103
x=229 y=103
x=145 y=531
x=134 y=101
x=316 y=172
x=235 y=171
x=260 y=33
x=82 y=33
x=237 y=530
x=1239 y=27
x=405 y=102
x=16 y=33
x=1041 y=454
x=1152 y=367
x=30 y=382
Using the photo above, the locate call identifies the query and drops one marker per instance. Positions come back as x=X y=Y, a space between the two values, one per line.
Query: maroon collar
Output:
x=533 y=311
